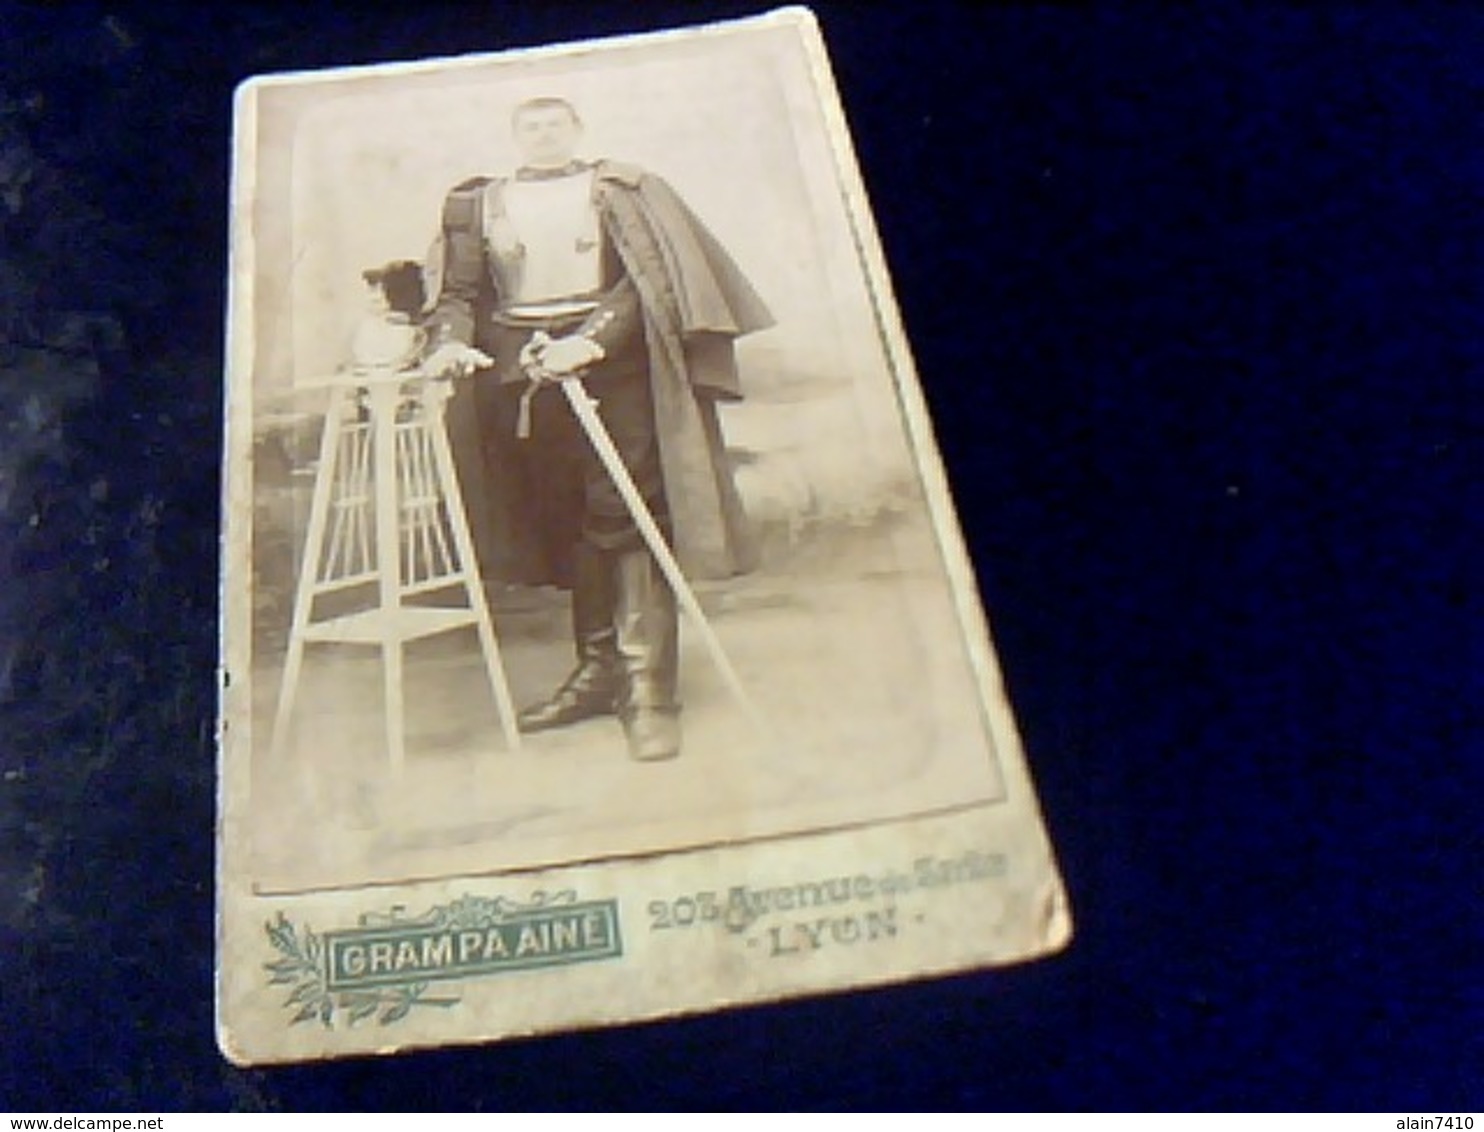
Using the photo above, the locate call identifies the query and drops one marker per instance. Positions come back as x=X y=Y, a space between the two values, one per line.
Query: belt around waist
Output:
x=534 y=316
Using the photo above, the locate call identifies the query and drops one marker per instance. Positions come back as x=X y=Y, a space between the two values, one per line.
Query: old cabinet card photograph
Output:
x=598 y=639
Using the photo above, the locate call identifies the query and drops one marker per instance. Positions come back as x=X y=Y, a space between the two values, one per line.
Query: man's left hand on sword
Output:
x=545 y=358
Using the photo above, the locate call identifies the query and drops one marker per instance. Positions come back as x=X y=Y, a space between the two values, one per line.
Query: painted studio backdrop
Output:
x=848 y=635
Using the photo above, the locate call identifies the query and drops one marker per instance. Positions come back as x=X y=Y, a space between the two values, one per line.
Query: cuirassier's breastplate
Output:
x=544 y=241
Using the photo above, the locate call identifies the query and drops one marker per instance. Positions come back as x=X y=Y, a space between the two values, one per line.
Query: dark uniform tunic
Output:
x=540 y=252
x=554 y=271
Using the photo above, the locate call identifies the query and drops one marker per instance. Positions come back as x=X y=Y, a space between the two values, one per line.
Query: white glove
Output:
x=454 y=359
x=563 y=357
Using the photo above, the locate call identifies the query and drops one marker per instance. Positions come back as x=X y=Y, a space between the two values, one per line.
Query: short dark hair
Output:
x=548 y=102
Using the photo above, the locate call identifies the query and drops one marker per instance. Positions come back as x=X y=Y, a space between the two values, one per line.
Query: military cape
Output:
x=696 y=303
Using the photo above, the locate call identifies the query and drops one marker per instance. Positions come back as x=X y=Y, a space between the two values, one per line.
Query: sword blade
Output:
x=586 y=410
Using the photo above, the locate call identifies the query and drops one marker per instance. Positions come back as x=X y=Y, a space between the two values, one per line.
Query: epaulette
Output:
x=624 y=172
x=461 y=206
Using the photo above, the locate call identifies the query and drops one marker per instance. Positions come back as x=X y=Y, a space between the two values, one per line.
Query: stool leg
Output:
x=389 y=560
x=319 y=507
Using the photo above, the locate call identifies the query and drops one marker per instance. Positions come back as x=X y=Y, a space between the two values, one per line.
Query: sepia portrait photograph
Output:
x=582 y=506
x=586 y=520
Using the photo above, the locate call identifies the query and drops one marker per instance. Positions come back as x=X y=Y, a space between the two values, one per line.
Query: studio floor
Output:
x=849 y=650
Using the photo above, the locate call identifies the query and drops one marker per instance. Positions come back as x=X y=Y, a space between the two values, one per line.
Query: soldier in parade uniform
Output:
x=593 y=269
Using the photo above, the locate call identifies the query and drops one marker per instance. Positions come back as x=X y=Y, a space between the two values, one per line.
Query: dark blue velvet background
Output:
x=1195 y=295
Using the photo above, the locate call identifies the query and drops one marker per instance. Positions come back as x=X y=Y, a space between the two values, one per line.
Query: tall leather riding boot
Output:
x=648 y=656
x=591 y=689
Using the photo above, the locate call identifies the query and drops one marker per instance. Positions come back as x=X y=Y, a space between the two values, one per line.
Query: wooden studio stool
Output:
x=387 y=513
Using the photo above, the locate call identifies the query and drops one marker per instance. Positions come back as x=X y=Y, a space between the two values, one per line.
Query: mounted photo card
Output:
x=599 y=643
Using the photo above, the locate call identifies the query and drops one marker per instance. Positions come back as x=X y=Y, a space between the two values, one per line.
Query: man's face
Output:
x=547 y=136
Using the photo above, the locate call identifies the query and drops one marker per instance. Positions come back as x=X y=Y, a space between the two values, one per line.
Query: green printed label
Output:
x=385 y=965
x=577 y=933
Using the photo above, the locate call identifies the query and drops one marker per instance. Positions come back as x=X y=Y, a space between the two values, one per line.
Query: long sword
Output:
x=586 y=410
